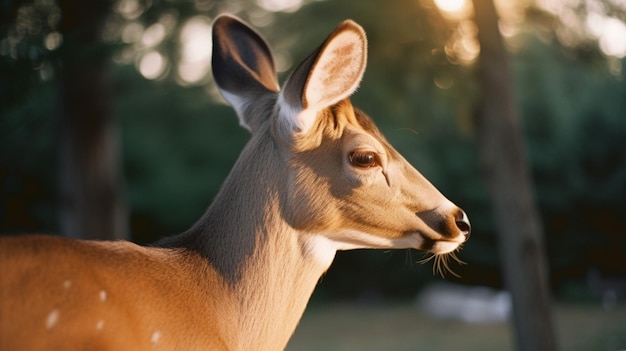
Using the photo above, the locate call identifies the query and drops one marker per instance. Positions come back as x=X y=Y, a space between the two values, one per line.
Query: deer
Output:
x=315 y=177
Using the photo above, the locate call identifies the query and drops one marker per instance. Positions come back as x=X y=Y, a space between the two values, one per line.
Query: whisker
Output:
x=413 y=131
x=457 y=259
x=427 y=257
x=441 y=263
x=437 y=265
x=409 y=257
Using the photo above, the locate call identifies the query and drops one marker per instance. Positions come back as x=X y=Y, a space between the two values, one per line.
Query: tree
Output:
x=92 y=204
x=508 y=179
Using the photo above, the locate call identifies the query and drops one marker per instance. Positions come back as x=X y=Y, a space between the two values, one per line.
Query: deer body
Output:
x=89 y=295
x=316 y=177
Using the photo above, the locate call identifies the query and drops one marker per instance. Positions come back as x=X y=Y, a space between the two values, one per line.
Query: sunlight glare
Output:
x=53 y=41
x=130 y=9
x=152 y=65
x=609 y=31
x=450 y=5
x=611 y=34
x=132 y=32
x=192 y=72
x=455 y=10
x=613 y=39
x=153 y=35
x=196 y=49
x=281 y=5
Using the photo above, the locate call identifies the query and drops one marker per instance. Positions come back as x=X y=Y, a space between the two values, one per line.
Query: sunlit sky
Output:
x=452 y=6
x=196 y=52
x=610 y=32
x=195 y=36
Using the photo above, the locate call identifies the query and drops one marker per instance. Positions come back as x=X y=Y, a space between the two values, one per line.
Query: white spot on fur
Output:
x=103 y=295
x=155 y=337
x=100 y=325
x=52 y=319
x=67 y=284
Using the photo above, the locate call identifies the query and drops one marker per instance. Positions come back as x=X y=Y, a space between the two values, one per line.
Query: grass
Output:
x=403 y=327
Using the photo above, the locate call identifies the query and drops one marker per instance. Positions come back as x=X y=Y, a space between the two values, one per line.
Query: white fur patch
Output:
x=323 y=247
x=100 y=325
x=444 y=246
x=352 y=239
x=295 y=119
x=239 y=104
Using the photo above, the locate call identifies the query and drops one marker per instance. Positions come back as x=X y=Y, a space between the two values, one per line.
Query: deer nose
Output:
x=463 y=223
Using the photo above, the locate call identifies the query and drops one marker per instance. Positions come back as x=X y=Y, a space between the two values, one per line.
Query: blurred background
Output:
x=121 y=90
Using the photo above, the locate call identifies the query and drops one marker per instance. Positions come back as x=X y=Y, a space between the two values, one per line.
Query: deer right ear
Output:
x=330 y=74
x=242 y=66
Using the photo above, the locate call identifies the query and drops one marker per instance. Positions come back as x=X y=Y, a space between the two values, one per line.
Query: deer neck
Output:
x=268 y=265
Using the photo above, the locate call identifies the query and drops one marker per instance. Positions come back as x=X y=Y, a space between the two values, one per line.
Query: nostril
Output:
x=464 y=227
x=463 y=224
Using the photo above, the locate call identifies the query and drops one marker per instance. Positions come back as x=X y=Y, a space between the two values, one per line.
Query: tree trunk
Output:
x=509 y=183
x=92 y=204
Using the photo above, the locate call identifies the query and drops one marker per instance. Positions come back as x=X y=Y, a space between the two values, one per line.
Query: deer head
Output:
x=345 y=186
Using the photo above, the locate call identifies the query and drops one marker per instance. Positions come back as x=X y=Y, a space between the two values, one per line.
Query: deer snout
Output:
x=449 y=222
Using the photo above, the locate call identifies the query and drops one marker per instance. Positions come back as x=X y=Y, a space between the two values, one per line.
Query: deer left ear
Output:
x=243 y=67
x=328 y=75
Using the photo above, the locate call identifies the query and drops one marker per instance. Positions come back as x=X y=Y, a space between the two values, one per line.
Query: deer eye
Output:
x=364 y=159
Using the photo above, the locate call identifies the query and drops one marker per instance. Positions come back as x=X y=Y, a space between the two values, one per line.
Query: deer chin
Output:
x=323 y=246
x=440 y=247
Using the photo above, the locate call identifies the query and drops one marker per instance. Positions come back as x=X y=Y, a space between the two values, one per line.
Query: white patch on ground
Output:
x=476 y=304
x=100 y=325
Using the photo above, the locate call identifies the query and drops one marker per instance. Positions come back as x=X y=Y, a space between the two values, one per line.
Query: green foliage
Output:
x=574 y=117
x=178 y=148
x=28 y=168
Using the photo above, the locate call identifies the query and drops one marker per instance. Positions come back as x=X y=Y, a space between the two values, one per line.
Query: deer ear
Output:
x=242 y=66
x=328 y=75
